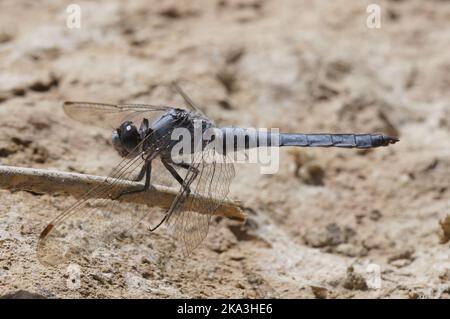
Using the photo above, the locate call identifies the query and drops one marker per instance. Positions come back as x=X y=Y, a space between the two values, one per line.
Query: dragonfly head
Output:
x=126 y=138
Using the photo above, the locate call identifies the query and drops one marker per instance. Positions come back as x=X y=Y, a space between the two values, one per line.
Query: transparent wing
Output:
x=96 y=224
x=111 y=115
x=206 y=185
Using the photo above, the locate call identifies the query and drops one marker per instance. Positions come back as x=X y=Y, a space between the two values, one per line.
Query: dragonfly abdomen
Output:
x=336 y=140
x=237 y=139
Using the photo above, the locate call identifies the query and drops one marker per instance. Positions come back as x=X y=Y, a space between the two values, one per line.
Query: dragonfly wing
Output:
x=91 y=220
x=206 y=185
x=110 y=116
x=95 y=221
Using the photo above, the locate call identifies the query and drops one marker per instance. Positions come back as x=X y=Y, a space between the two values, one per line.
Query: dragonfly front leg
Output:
x=147 y=171
x=141 y=174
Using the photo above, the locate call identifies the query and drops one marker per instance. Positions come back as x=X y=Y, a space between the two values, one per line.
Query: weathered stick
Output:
x=57 y=182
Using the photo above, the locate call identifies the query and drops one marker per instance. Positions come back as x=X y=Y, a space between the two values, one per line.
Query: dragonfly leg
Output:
x=159 y=224
x=173 y=172
x=189 y=168
x=147 y=170
x=177 y=176
x=168 y=165
x=141 y=174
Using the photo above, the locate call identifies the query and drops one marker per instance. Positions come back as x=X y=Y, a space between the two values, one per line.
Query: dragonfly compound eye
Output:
x=129 y=136
x=117 y=143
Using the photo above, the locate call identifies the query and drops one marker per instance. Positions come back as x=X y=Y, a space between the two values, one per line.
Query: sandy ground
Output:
x=324 y=223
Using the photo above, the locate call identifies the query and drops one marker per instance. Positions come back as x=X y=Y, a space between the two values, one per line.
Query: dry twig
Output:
x=56 y=182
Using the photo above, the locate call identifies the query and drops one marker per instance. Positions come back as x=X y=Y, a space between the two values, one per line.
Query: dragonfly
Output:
x=143 y=136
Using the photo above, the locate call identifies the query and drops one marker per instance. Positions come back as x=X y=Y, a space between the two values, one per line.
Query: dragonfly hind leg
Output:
x=177 y=176
x=174 y=173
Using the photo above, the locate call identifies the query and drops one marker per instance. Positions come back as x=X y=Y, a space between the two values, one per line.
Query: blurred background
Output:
x=316 y=226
